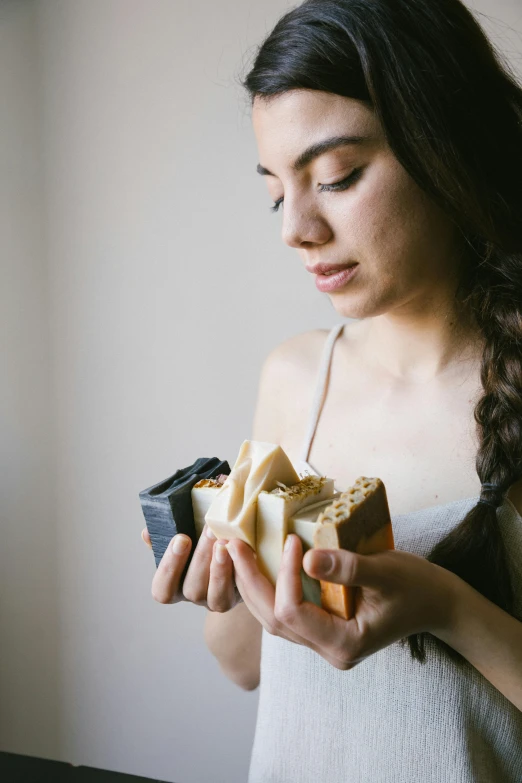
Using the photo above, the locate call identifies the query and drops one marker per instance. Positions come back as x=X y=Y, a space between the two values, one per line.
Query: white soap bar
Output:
x=203 y=493
x=274 y=510
x=303 y=524
x=259 y=466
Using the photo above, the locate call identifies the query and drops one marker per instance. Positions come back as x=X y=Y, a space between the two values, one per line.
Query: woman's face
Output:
x=402 y=243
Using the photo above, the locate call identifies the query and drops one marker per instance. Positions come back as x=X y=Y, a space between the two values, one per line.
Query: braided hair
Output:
x=451 y=110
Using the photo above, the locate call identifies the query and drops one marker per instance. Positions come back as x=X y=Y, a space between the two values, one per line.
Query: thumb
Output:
x=343 y=567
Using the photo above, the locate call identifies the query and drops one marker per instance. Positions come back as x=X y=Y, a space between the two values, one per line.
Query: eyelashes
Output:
x=343 y=184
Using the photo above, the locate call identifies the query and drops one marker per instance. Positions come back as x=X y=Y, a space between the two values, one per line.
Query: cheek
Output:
x=390 y=225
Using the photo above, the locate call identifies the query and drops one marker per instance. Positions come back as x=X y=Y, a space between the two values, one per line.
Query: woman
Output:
x=389 y=135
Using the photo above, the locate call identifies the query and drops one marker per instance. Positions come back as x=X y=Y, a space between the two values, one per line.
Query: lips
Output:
x=328 y=269
x=337 y=280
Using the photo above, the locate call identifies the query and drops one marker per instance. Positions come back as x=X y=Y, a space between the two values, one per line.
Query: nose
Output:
x=303 y=225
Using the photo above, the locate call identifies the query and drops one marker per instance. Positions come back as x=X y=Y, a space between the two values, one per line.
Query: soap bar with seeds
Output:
x=259 y=466
x=203 y=494
x=359 y=521
x=274 y=510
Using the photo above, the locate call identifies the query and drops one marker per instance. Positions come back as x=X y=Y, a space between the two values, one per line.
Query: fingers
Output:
x=221 y=595
x=210 y=577
x=195 y=586
x=256 y=590
x=209 y=580
x=289 y=587
x=146 y=537
x=259 y=594
x=165 y=583
x=316 y=628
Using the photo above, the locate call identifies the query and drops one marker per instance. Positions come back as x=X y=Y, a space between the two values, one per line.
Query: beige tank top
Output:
x=390 y=719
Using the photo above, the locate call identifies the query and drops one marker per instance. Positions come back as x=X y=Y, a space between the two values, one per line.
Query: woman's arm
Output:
x=488 y=637
x=234 y=637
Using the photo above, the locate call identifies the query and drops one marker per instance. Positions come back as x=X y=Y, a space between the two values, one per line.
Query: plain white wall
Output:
x=145 y=282
x=30 y=647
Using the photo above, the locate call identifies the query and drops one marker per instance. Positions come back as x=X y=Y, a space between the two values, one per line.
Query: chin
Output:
x=351 y=307
x=353 y=304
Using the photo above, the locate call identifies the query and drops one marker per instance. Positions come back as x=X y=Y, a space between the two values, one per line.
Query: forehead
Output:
x=285 y=124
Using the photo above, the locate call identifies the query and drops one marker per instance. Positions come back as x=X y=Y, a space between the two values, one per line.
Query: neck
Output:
x=418 y=344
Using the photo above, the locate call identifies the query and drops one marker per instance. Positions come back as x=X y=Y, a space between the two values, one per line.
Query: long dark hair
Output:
x=451 y=110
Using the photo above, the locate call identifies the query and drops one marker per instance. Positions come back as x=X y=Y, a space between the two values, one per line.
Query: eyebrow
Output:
x=319 y=148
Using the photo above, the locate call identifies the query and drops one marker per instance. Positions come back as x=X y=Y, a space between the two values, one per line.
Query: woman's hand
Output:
x=399 y=594
x=208 y=582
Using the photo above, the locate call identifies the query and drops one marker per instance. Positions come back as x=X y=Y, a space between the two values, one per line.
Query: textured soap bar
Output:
x=274 y=510
x=167 y=506
x=359 y=520
x=259 y=466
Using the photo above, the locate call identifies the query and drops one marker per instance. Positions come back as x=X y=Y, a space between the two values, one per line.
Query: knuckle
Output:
x=221 y=596
x=351 y=568
x=341 y=660
x=338 y=650
x=285 y=614
x=348 y=652
x=270 y=628
x=192 y=594
x=219 y=606
x=160 y=595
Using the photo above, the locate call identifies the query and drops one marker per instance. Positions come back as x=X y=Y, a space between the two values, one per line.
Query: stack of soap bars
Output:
x=261 y=500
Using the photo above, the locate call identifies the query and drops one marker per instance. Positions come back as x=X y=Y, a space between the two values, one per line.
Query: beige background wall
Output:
x=136 y=246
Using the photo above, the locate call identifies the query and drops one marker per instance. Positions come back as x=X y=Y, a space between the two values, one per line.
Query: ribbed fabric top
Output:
x=390 y=719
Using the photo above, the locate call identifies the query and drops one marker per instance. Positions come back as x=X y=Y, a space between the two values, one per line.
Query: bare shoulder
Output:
x=298 y=354
x=287 y=383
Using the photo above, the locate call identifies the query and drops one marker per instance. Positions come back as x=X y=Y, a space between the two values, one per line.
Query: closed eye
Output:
x=343 y=184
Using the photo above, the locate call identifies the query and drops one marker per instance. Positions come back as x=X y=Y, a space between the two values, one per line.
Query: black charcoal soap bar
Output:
x=167 y=506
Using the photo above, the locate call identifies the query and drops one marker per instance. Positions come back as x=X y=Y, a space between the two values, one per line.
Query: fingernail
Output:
x=288 y=543
x=179 y=545
x=220 y=551
x=324 y=562
x=230 y=551
x=210 y=534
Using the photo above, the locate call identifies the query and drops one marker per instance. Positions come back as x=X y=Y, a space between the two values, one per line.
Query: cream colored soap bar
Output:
x=303 y=524
x=202 y=494
x=259 y=466
x=274 y=510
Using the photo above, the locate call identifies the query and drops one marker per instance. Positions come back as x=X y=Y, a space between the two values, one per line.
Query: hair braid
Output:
x=475 y=550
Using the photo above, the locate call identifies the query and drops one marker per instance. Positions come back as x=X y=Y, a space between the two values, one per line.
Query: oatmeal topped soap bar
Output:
x=274 y=510
x=203 y=494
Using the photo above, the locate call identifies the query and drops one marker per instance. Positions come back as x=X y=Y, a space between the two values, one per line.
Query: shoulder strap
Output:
x=320 y=389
